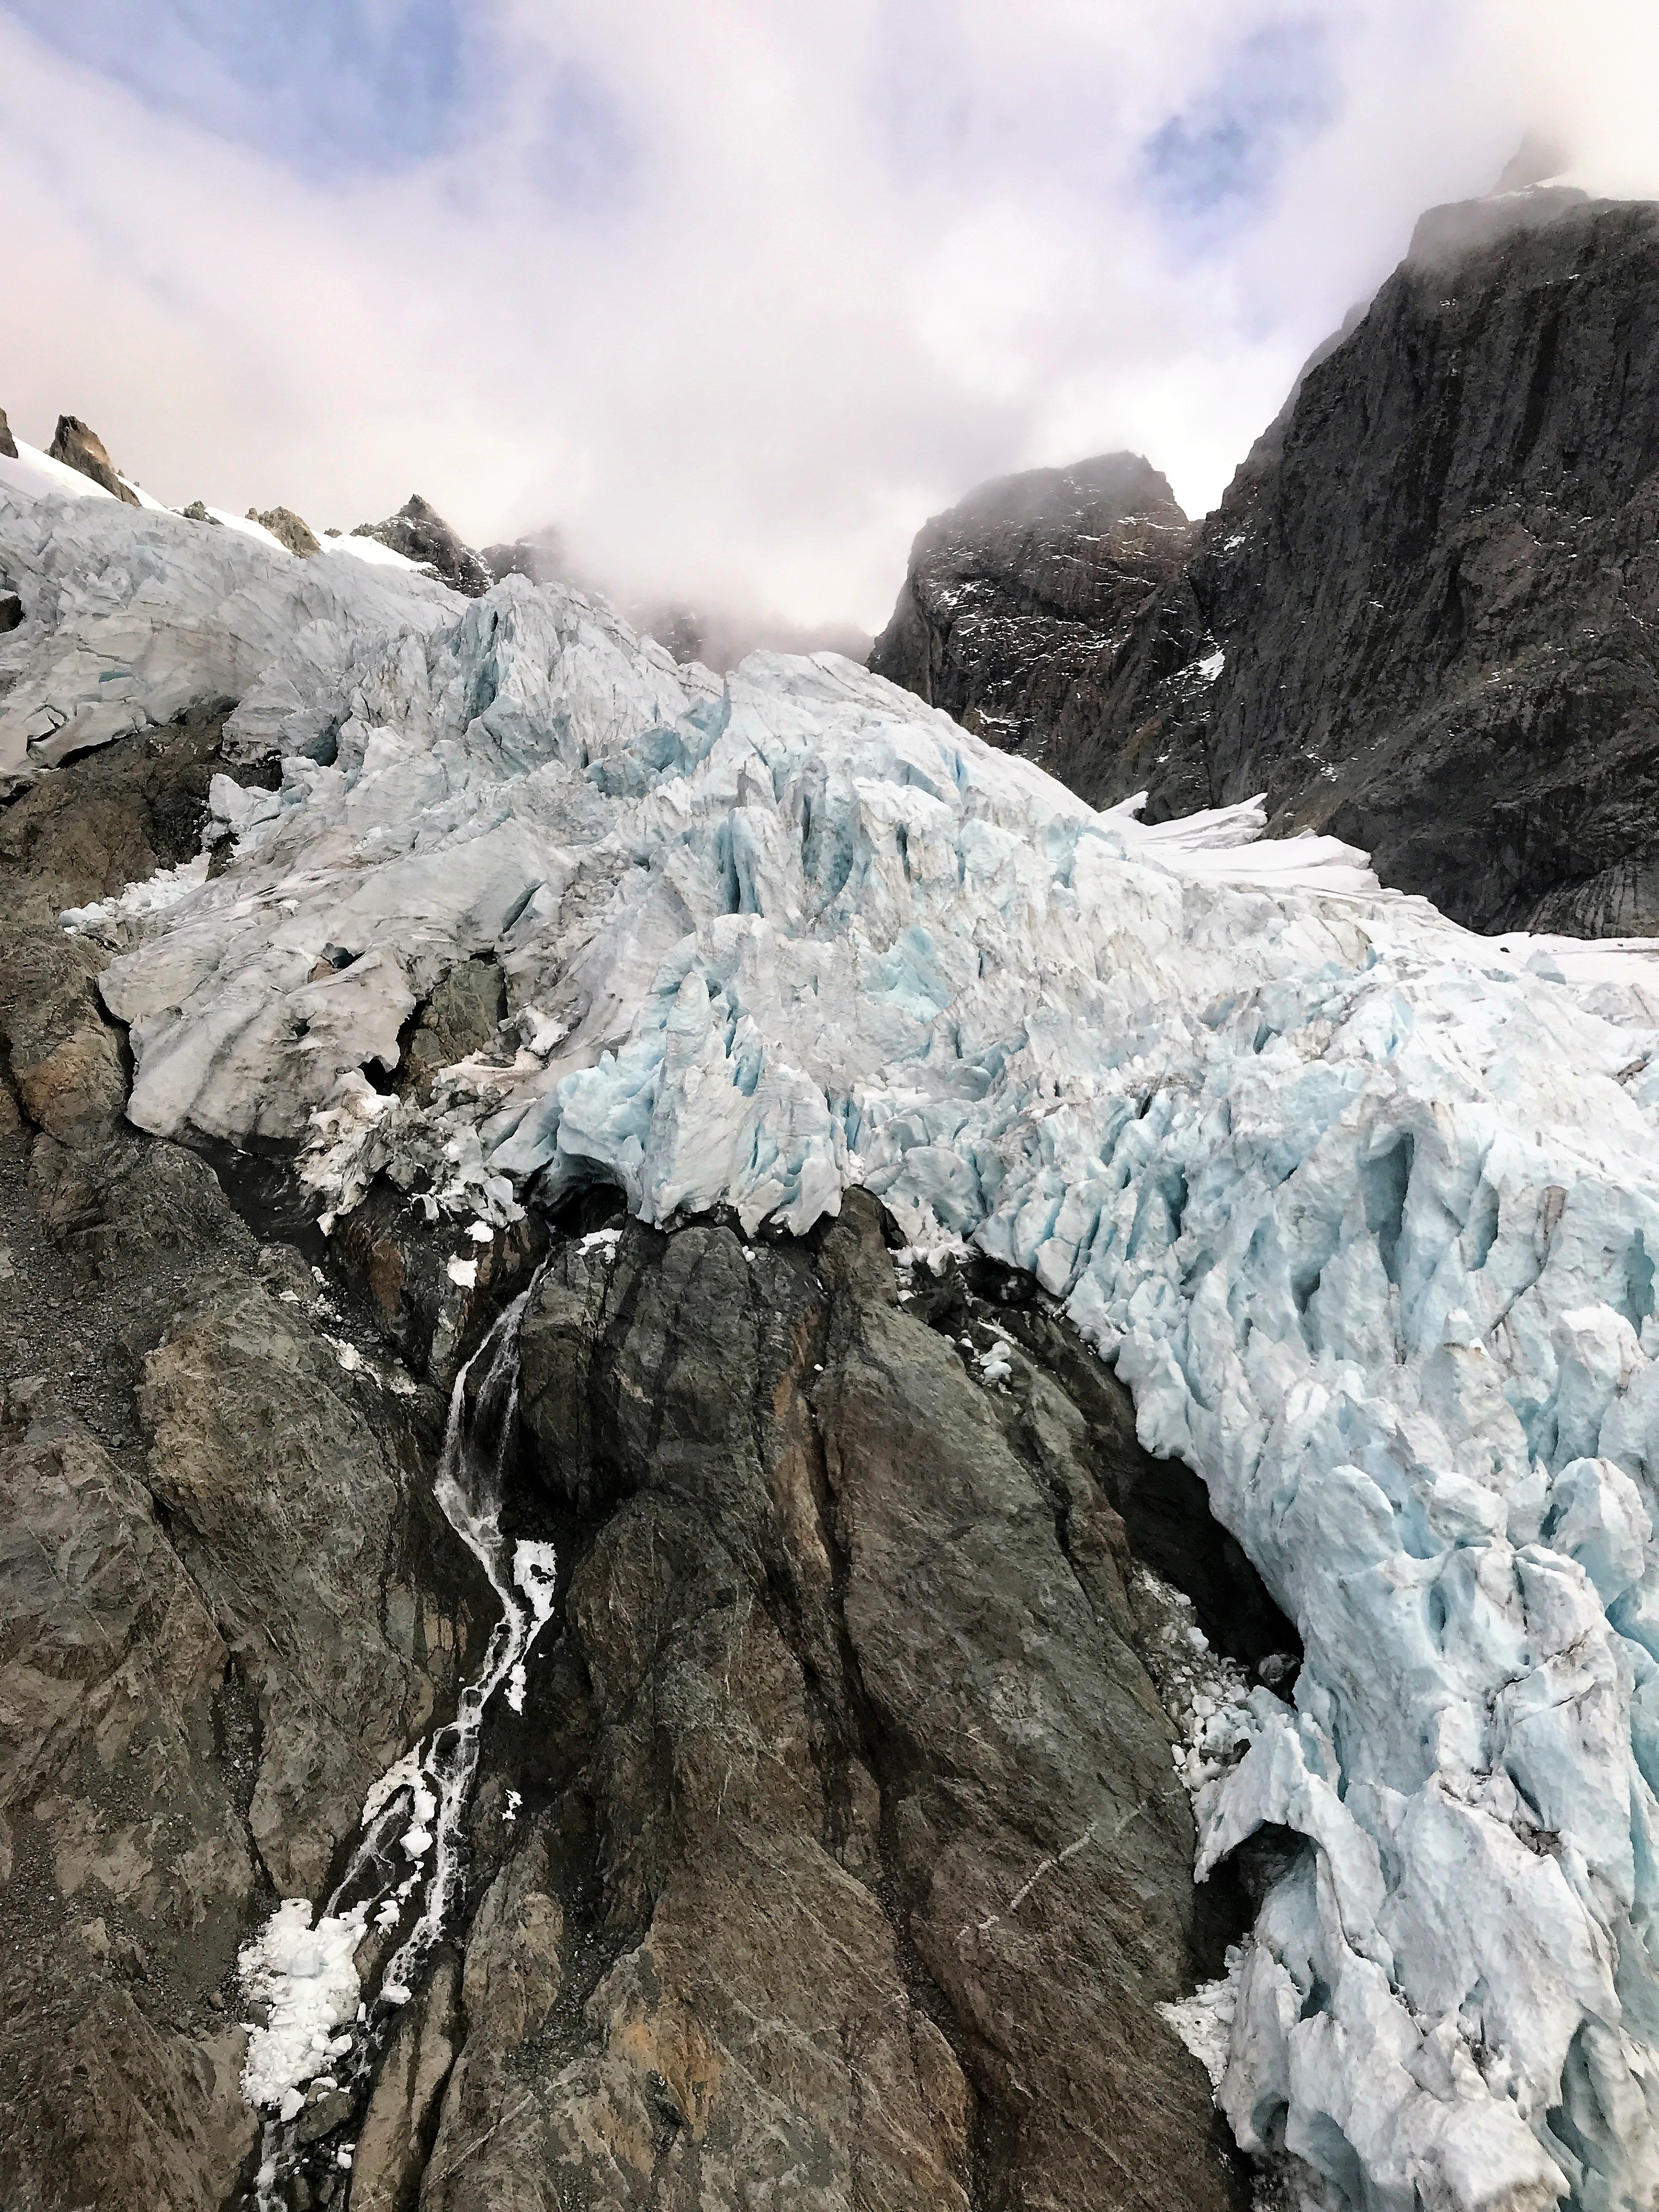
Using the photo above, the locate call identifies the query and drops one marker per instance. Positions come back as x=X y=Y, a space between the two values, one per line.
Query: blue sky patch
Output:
x=335 y=88
x=1216 y=160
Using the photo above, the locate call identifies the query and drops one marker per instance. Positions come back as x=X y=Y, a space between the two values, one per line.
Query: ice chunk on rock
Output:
x=306 y=1979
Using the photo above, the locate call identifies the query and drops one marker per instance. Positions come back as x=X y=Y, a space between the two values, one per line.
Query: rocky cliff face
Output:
x=222 y=1611
x=839 y=1850
x=420 y=534
x=1016 y=602
x=1423 y=617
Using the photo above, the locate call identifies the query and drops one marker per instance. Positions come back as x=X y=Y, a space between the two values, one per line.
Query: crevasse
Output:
x=1363 y=1208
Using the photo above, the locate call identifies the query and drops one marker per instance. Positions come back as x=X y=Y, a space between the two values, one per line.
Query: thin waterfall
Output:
x=324 y=2026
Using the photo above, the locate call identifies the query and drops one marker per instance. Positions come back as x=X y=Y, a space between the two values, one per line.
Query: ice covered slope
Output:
x=131 y=615
x=1366 y=1210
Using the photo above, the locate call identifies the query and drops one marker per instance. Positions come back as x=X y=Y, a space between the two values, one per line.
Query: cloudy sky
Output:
x=735 y=292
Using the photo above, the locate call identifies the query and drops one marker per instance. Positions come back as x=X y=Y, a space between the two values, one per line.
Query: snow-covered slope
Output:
x=134 y=615
x=1363 y=1208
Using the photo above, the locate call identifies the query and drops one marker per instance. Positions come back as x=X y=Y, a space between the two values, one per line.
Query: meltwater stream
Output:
x=324 y=2022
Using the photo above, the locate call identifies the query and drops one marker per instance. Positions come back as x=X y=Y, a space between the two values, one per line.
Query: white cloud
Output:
x=737 y=295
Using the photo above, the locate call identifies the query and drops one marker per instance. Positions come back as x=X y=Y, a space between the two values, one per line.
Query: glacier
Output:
x=1363 y=1208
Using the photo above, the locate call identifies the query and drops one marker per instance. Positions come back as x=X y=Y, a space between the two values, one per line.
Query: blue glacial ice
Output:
x=1365 y=1209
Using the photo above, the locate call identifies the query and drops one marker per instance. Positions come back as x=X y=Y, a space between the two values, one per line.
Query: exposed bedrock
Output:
x=420 y=534
x=79 y=448
x=1017 y=601
x=1428 y=597
x=221 y=1609
x=854 y=1862
x=1423 y=617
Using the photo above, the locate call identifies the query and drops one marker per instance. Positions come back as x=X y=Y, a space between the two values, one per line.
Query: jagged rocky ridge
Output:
x=1359 y=1205
x=1422 y=617
x=1017 y=602
x=420 y=534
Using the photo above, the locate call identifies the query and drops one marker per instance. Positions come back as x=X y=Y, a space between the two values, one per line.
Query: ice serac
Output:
x=1365 y=1209
x=136 y=618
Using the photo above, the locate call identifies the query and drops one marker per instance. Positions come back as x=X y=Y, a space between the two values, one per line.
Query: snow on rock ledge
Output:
x=1365 y=1208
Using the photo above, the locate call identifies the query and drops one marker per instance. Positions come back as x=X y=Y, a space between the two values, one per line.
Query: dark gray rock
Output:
x=419 y=532
x=857 y=1865
x=542 y=557
x=290 y=529
x=1017 y=601
x=78 y=447
x=1435 y=586
x=8 y=443
x=11 y=612
x=197 y=511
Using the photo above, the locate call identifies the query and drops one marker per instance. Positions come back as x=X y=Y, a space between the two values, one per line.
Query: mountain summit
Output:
x=1423 y=617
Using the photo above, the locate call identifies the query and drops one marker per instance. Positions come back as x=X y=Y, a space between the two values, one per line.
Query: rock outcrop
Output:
x=78 y=447
x=1428 y=614
x=420 y=534
x=834 y=1875
x=1422 y=616
x=1017 y=601
x=8 y=443
x=220 y=1616
x=288 y=528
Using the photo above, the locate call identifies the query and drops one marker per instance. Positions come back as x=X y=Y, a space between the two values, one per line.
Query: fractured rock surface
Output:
x=217 y=1613
x=420 y=534
x=288 y=528
x=854 y=1864
x=1421 y=618
x=1018 y=601
x=1430 y=597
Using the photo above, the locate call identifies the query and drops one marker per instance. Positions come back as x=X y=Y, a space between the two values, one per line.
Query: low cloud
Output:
x=734 y=295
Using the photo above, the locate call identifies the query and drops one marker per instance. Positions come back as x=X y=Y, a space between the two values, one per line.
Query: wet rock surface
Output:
x=1018 y=601
x=852 y=1861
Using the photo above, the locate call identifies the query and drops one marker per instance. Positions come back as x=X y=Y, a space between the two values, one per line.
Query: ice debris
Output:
x=306 y=1978
x=1365 y=1209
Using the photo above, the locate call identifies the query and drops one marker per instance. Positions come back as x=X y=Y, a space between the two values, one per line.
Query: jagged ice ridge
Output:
x=1363 y=1208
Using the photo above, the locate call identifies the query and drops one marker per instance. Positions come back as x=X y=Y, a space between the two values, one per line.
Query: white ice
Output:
x=306 y=1978
x=131 y=615
x=1363 y=1208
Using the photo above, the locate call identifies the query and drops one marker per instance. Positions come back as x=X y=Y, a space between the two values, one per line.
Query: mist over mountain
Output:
x=1422 y=617
x=779 y=1432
